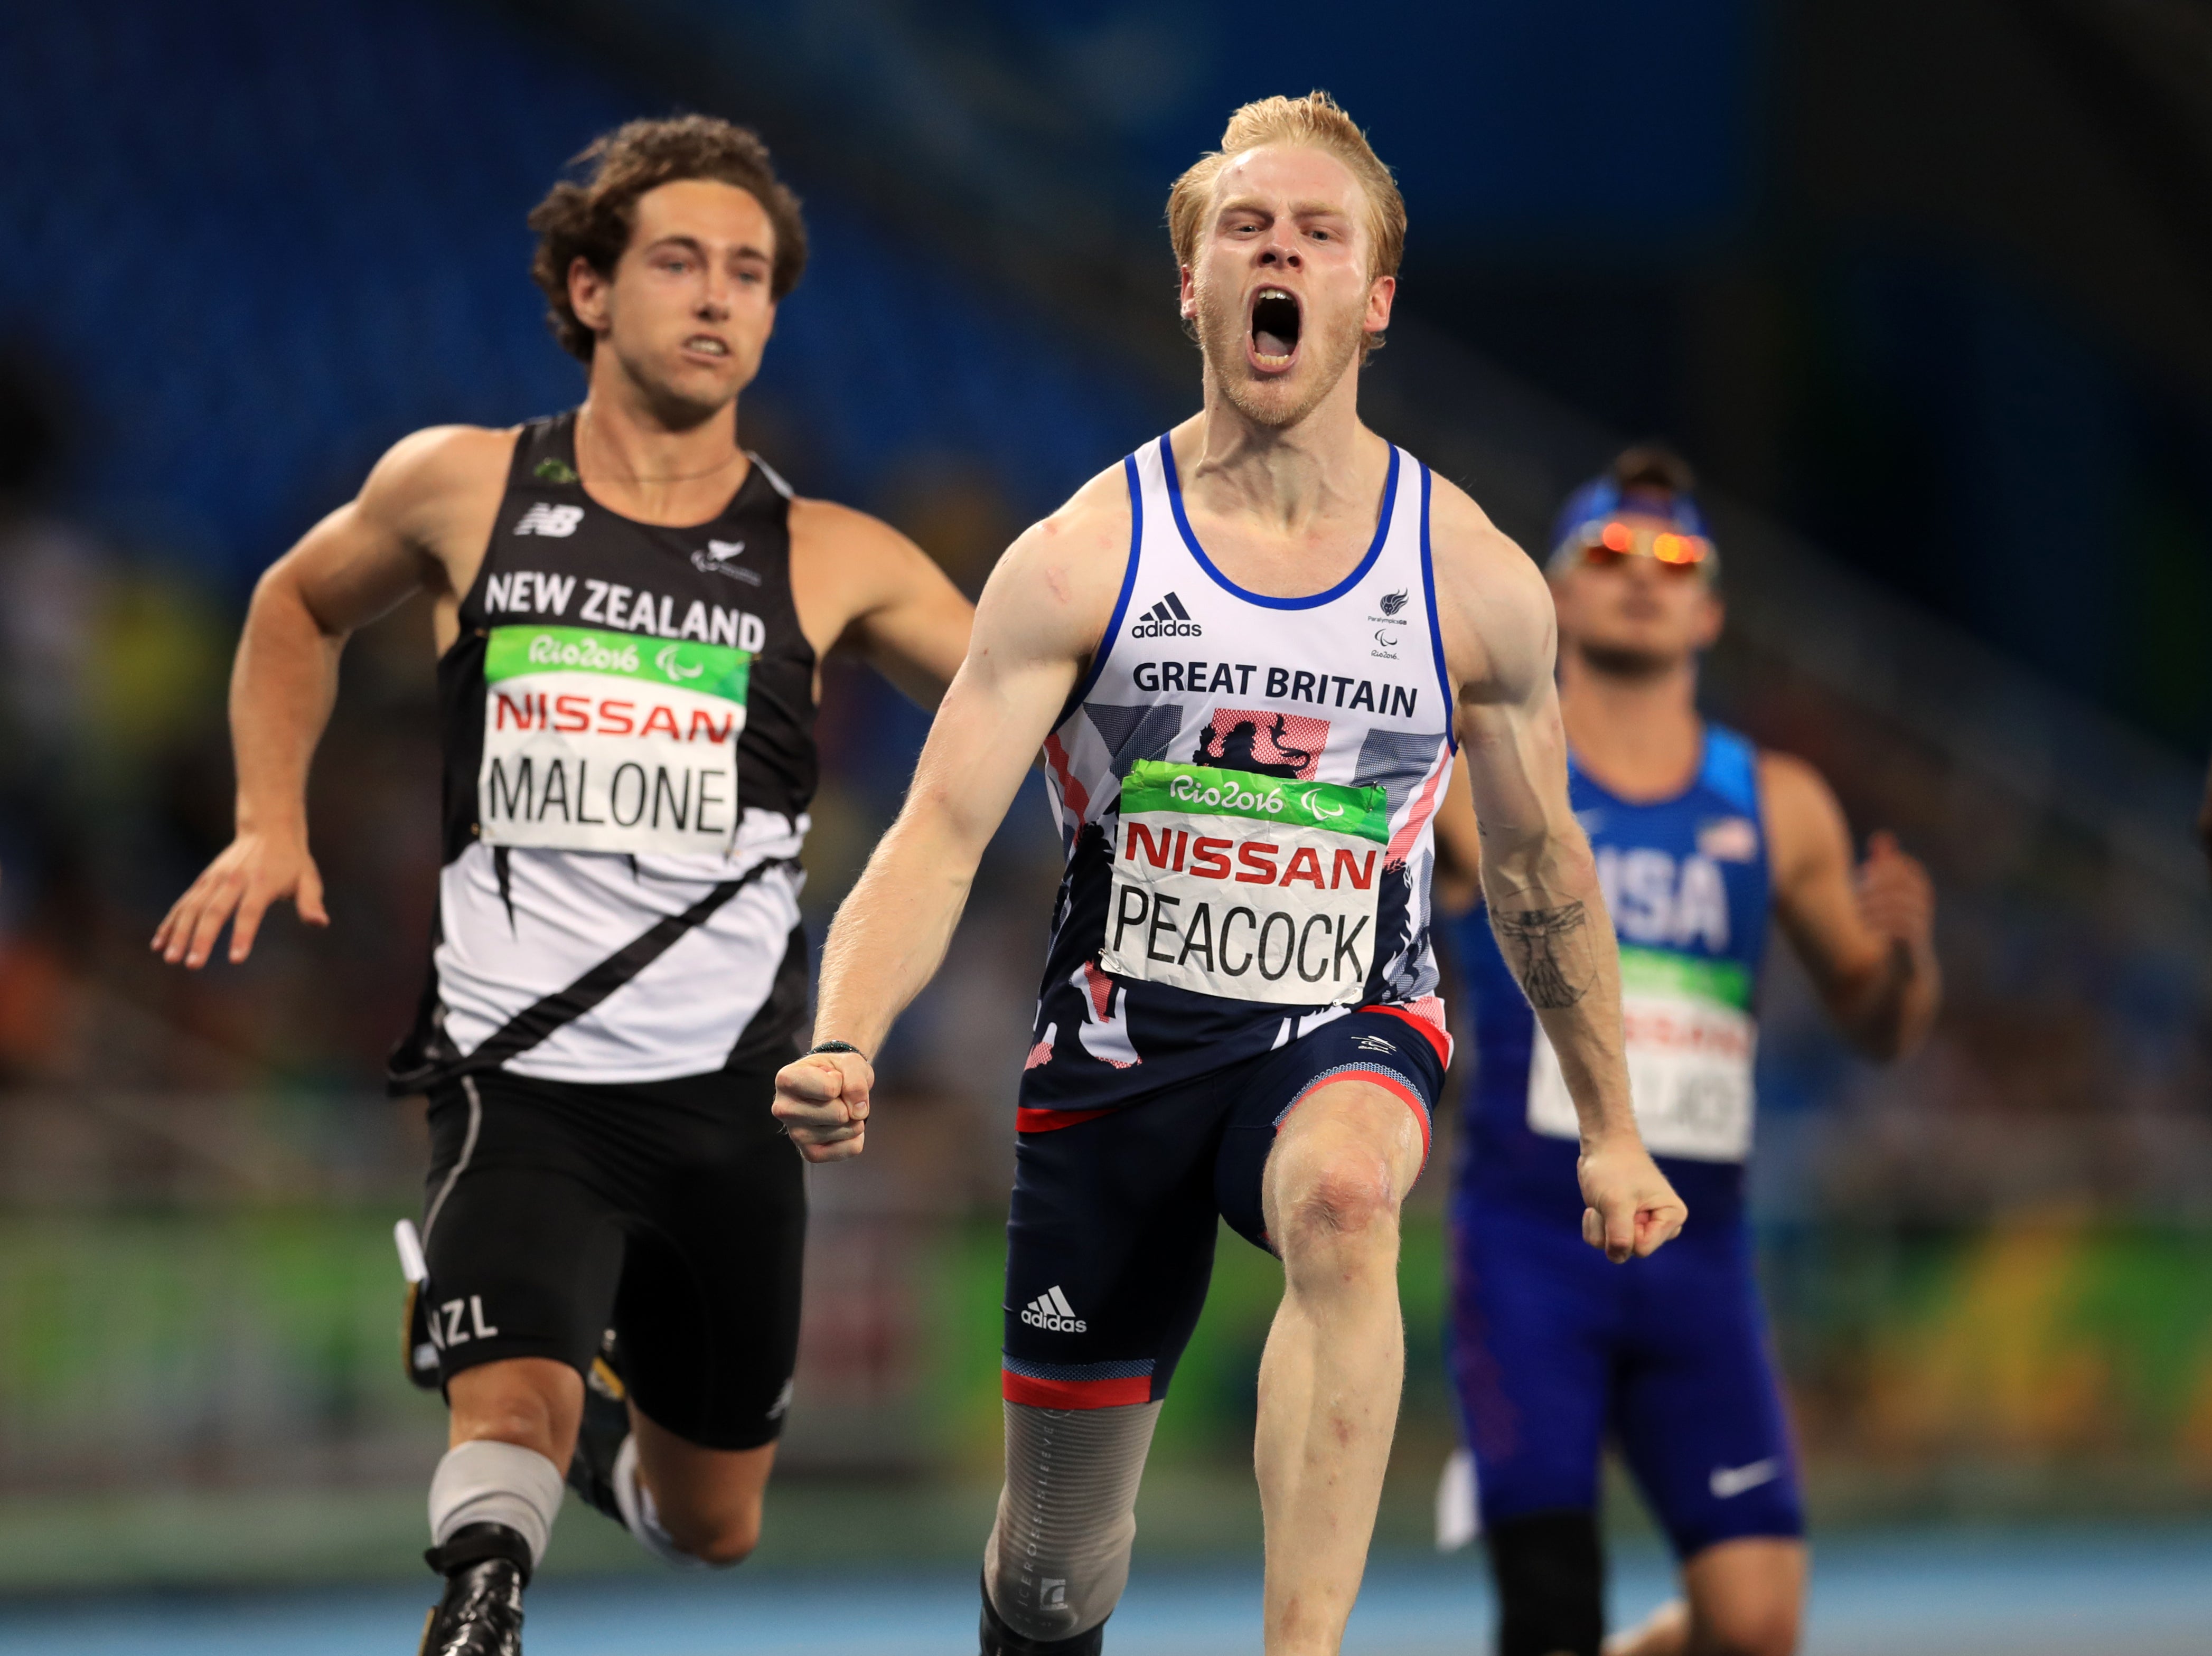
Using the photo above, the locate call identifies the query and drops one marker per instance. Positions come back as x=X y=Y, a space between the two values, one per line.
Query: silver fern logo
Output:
x=715 y=560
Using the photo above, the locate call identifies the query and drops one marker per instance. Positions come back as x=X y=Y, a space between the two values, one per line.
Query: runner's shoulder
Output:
x=1093 y=520
x=1803 y=817
x=1469 y=548
x=1492 y=600
x=1794 y=781
x=1063 y=572
x=854 y=538
x=430 y=476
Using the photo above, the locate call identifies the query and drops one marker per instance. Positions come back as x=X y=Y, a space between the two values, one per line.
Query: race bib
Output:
x=1256 y=888
x=610 y=742
x=1691 y=1040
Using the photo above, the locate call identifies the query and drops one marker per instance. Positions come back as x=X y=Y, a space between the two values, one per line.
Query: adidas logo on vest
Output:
x=1166 y=619
x=1050 y=1309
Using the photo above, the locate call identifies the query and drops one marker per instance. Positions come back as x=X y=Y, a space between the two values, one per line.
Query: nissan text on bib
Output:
x=610 y=742
x=1251 y=886
x=1690 y=1042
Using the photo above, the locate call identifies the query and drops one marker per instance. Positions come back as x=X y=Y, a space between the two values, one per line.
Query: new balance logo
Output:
x=1050 y=1309
x=558 y=521
x=1373 y=1044
x=1166 y=619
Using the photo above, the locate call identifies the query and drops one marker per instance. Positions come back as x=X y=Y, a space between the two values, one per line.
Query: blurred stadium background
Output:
x=1924 y=289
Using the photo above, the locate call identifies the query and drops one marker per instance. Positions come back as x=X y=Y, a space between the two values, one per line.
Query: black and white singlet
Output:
x=627 y=726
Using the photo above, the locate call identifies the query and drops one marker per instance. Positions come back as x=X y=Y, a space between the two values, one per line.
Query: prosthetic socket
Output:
x=1059 y=1555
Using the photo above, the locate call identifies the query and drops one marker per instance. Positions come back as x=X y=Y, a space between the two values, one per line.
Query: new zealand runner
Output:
x=1243 y=651
x=1699 y=838
x=631 y=614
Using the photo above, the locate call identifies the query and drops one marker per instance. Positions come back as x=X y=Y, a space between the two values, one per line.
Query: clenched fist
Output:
x=1631 y=1209
x=1896 y=896
x=822 y=1101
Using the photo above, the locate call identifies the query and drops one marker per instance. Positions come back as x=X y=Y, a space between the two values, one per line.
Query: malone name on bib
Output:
x=610 y=742
x=1254 y=888
x=1691 y=1040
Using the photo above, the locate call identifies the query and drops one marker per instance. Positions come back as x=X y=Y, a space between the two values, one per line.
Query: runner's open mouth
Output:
x=1275 y=319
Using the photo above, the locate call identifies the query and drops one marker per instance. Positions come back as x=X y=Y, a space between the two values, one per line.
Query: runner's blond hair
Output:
x=1315 y=121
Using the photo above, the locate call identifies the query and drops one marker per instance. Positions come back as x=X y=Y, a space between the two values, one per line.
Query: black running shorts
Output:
x=1109 y=1243
x=672 y=1212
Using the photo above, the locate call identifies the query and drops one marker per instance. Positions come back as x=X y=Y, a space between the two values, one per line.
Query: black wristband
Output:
x=835 y=1047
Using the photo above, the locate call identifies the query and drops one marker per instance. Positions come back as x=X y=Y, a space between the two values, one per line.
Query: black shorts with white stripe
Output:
x=672 y=1212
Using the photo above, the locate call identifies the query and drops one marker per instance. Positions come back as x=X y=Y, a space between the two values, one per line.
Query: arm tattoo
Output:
x=1544 y=957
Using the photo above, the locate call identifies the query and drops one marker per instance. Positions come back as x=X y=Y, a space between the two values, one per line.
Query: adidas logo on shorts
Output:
x=1050 y=1309
x=1166 y=619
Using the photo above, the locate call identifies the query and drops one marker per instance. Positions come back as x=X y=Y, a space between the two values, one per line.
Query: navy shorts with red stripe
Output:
x=1109 y=1243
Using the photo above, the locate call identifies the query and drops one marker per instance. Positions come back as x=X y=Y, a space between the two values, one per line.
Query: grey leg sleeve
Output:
x=1059 y=1555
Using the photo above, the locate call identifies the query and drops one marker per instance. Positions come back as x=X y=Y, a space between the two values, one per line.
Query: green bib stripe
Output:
x=715 y=670
x=1165 y=786
x=1662 y=972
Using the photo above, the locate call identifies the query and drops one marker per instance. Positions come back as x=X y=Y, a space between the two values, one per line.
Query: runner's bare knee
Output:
x=725 y=1539
x=1771 y=1636
x=1766 y=1628
x=1332 y=1182
x=1345 y=1193
x=532 y=1402
x=1745 y=1597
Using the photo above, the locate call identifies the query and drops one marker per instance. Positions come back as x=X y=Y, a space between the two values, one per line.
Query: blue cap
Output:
x=1602 y=499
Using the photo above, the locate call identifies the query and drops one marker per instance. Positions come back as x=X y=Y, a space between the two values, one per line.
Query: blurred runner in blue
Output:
x=1699 y=838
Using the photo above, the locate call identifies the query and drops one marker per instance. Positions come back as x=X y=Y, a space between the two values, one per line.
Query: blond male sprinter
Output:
x=1241 y=651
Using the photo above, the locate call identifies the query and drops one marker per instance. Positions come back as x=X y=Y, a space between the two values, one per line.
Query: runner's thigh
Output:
x=707 y=1313
x=1109 y=1247
x=521 y=1239
x=1381 y=1049
x=1533 y=1347
x=1698 y=1409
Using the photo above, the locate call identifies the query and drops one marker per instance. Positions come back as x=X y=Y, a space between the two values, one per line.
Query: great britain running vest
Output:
x=627 y=726
x=1245 y=786
x=1686 y=882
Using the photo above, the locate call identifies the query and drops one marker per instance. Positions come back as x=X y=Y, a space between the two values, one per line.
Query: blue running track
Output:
x=2112 y=1593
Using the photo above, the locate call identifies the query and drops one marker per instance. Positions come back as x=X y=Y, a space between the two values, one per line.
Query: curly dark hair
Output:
x=592 y=220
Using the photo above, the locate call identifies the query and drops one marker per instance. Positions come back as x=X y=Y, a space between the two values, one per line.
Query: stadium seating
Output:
x=282 y=236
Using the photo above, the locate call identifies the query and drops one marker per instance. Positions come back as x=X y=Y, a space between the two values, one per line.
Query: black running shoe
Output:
x=486 y=1567
x=605 y=1424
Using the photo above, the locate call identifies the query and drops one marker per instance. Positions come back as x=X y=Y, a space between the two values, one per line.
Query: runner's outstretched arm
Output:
x=1538 y=875
x=352 y=566
x=1039 y=622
